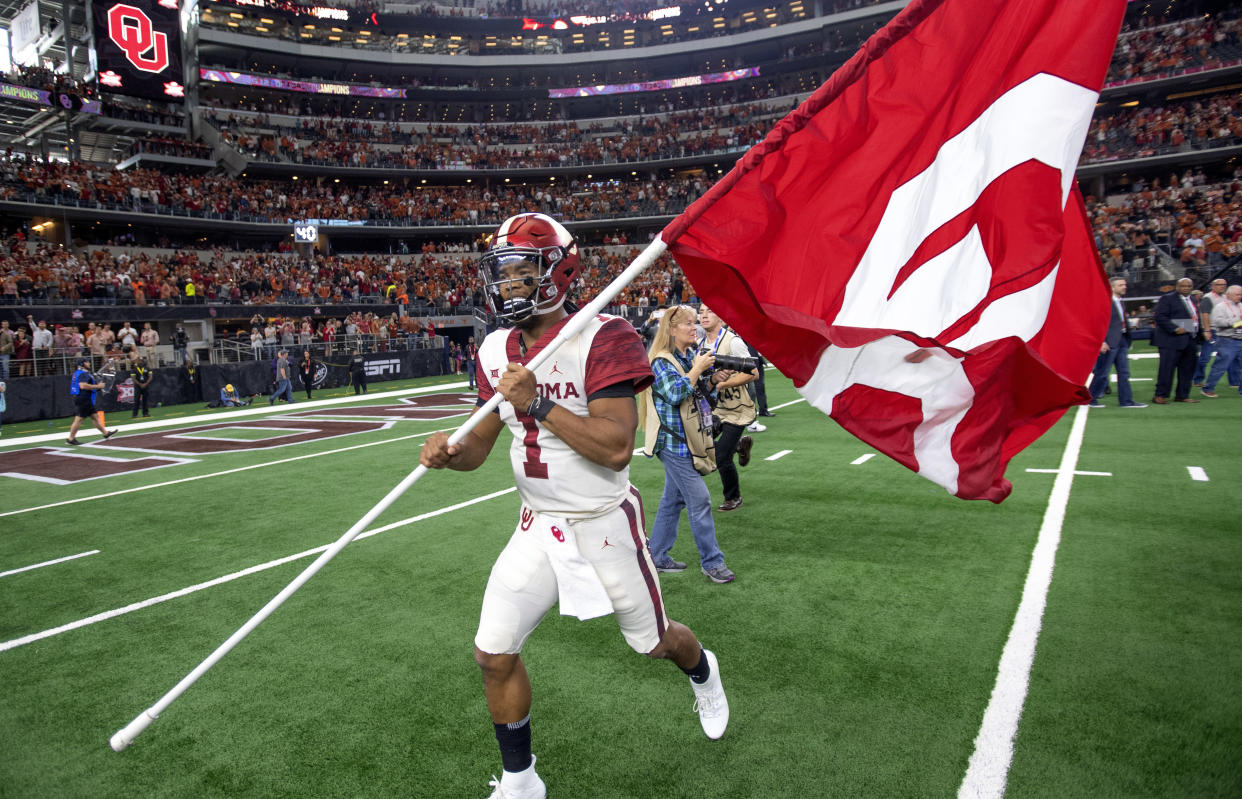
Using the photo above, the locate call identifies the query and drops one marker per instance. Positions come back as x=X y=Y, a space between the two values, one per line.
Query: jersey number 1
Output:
x=534 y=467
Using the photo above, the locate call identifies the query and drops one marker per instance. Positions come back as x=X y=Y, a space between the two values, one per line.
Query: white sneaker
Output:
x=522 y=785
x=710 y=701
x=755 y=427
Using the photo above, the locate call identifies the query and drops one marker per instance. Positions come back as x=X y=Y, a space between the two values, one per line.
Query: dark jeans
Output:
x=726 y=447
x=1205 y=356
x=140 y=401
x=1182 y=362
x=1118 y=356
x=284 y=388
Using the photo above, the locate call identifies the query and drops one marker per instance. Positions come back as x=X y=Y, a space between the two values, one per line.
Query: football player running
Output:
x=580 y=537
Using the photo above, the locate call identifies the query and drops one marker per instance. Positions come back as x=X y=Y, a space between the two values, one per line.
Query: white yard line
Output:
x=786 y=404
x=215 y=474
x=49 y=563
x=775 y=456
x=988 y=770
x=146 y=603
x=1196 y=473
x=1077 y=473
x=861 y=459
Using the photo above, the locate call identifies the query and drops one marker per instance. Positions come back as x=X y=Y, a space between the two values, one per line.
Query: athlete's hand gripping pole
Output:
x=125 y=736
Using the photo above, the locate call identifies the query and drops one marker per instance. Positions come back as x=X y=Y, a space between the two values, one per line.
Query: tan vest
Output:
x=734 y=405
x=699 y=441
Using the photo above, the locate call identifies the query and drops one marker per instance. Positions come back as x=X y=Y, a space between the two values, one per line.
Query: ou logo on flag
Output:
x=132 y=31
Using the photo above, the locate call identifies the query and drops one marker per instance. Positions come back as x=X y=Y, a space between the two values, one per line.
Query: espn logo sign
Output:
x=388 y=366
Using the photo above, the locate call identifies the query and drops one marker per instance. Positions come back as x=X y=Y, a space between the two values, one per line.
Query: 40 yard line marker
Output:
x=988 y=771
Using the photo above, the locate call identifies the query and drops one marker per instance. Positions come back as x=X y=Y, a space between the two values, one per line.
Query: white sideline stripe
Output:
x=778 y=455
x=1080 y=474
x=989 y=765
x=214 y=474
x=861 y=459
x=49 y=563
x=146 y=603
x=786 y=404
x=1113 y=379
x=1196 y=473
x=1143 y=356
x=192 y=419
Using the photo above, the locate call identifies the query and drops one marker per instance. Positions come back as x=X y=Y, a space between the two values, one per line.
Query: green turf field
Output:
x=859 y=645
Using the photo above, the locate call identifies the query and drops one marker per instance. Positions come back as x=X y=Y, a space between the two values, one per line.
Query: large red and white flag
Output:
x=909 y=245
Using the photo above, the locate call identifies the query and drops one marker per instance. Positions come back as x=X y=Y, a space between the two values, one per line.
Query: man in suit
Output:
x=1176 y=336
x=1115 y=351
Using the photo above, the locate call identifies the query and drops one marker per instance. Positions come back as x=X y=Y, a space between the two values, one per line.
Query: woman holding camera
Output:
x=677 y=420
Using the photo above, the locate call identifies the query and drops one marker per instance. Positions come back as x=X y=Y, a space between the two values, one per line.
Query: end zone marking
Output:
x=1197 y=474
x=861 y=459
x=49 y=563
x=215 y=474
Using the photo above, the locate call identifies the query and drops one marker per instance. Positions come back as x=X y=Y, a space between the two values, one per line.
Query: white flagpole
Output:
x=125 y=736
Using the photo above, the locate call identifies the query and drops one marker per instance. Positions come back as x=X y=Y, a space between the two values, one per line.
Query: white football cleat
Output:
x=710 y=701
x=755 y=427
x=522 y=785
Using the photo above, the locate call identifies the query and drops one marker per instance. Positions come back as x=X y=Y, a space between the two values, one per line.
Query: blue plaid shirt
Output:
x=670 y=389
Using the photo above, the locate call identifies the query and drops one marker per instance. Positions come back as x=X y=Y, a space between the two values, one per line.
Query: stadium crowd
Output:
x=1198 y=224
x=1139 y=132
x=1153 y=48
x=442 y=277
x=216 y=196
x=550 y=148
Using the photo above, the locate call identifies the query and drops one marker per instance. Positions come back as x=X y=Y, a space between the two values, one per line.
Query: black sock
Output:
x=514 y=740
x=701 y=671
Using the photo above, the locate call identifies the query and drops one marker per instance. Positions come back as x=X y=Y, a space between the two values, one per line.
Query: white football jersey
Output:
x=551 y=477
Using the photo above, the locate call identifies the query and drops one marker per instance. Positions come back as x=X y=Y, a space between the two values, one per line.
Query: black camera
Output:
x=732 y=363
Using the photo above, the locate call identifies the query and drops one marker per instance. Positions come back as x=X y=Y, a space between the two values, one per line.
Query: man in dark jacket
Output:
x=1115 y=351
x=1176 y=335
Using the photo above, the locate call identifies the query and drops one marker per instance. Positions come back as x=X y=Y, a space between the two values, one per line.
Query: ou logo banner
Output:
x=132 y=31
x=1014 y=162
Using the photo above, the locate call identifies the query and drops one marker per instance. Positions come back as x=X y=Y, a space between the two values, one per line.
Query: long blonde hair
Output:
x=662 y=341
x=661 y=344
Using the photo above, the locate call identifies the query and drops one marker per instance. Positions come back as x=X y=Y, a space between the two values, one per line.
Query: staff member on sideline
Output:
x=671 y=404
x=306 y=371
x=284 y=379
x=85 y=392
x=358 y=373
x=142 y=377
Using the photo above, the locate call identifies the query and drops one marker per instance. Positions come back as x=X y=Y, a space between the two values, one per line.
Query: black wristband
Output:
x=540 y=408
